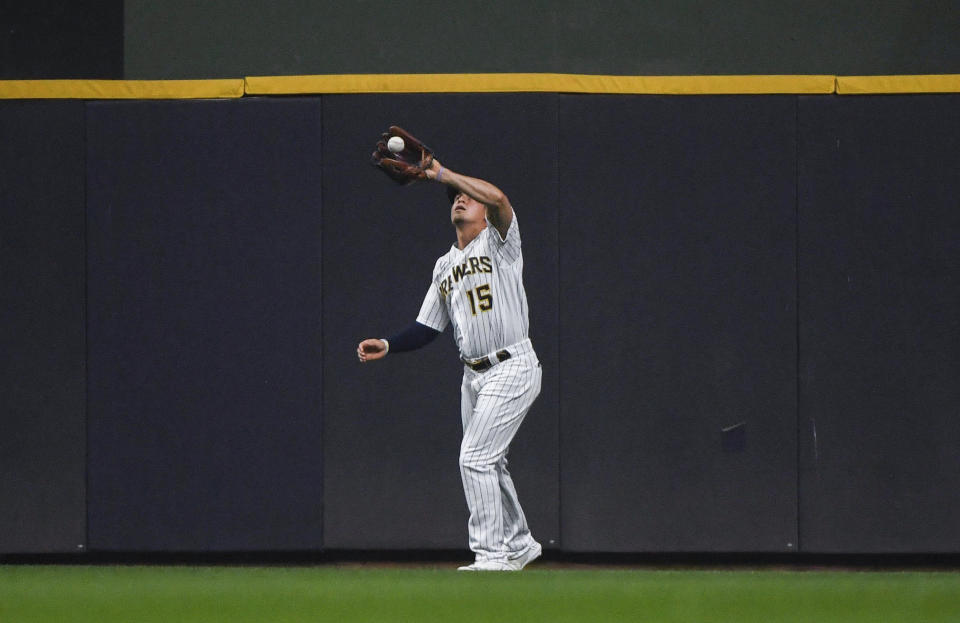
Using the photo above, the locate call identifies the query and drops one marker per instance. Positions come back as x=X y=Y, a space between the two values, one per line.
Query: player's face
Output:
x=466 y=209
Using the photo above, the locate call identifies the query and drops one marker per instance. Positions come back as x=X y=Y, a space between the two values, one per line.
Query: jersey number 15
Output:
x=481 y=298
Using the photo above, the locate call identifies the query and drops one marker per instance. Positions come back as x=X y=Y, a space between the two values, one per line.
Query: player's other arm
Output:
x=413 y=337
x=431 y=321
x=499 y=210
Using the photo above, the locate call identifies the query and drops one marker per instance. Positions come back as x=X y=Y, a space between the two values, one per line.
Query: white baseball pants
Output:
x=493 y=405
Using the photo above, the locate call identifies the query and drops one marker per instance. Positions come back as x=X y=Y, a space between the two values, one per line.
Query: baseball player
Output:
x=477 y=286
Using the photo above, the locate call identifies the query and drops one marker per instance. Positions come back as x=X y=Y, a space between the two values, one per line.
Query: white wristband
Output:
x=386 y=345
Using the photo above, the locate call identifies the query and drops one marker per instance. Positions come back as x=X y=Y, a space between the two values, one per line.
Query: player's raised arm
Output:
x=499 y=210
x=406 y=159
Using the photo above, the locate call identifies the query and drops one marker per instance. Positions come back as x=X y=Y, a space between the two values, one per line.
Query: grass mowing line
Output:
x=279 y=594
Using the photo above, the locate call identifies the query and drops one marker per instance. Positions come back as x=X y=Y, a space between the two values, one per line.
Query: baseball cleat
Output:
x=527 y=556
x=489 y=565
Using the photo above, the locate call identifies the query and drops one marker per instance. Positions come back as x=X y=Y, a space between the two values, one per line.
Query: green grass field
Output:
x=105 y=594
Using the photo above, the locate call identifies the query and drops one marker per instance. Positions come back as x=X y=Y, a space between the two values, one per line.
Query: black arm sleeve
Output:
x=413 y=337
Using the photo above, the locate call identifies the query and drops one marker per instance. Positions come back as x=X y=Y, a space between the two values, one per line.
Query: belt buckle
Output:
x=482 y=365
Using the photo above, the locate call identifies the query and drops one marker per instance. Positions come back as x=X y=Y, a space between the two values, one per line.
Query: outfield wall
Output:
x=745 y=308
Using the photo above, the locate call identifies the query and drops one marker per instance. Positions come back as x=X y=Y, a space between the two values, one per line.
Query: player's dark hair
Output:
x=452 y=194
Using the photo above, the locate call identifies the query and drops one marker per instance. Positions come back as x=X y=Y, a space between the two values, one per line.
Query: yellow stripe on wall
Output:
x=120 y=89
x=477 y=83
x=933 y=83
x=538 y=83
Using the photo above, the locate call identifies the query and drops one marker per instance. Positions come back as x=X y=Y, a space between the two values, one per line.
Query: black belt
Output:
x=481 y=365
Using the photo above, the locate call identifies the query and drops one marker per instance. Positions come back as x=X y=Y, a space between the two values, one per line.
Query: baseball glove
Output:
x=407 y=165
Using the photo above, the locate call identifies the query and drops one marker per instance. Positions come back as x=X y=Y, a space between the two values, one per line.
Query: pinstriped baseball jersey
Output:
x=480 y=291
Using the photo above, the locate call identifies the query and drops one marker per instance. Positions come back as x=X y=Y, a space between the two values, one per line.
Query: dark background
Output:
x=745 y=305
x=52 y=39
x=184 y=39
x=179 y=39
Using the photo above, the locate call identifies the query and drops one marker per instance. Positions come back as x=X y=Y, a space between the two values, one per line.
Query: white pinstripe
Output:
x=493 y=403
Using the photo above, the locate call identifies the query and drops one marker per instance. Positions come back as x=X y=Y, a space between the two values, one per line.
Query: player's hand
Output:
x=432 y=171
x=371 y=350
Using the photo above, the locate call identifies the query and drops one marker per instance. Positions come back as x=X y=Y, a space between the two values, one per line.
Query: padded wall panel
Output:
x=205 y=339
x=42 y=366
x=678 y=321
x=392 y=428
x=879 y=329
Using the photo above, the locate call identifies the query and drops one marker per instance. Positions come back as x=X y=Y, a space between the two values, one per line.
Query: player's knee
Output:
x=473 y=460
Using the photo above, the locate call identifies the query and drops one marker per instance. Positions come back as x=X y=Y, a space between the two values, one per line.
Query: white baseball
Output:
x=395 y=144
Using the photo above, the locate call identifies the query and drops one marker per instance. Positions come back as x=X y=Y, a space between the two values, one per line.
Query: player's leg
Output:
x=468 y=402
x=516 y=532
x=504 y=397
